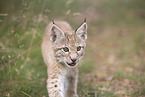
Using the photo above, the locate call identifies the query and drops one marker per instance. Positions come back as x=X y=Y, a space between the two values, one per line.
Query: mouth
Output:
x=71 y=64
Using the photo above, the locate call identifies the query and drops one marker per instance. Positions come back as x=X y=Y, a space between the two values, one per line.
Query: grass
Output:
x=113 y=65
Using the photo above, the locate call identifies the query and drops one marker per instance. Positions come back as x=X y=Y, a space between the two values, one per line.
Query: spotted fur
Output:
x=60 y=53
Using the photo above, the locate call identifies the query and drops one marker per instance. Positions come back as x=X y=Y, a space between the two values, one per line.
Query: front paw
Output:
x=75 y=96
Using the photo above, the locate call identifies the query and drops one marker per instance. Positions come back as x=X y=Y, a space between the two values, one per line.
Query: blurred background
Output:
x=114 y=63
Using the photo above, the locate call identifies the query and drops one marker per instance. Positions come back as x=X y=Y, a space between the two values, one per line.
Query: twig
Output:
x=28 y=51
x=26 y=94
x=3 y=14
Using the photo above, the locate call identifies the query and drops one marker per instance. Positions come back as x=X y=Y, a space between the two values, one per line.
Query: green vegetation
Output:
x=114 y=64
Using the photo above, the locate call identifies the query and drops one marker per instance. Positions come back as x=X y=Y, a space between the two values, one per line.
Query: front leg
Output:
x=54 y=88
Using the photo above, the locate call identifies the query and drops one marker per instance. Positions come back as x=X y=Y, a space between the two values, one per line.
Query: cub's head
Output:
x=69 y=47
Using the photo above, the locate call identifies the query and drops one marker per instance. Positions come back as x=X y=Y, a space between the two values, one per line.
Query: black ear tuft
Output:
x=85 y=20
x=53 y=22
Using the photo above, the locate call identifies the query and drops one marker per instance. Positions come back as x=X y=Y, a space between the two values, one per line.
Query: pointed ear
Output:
x=56 y=33
x=82 y=31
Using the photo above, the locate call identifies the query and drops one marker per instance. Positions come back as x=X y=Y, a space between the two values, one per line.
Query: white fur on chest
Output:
x=66 y=80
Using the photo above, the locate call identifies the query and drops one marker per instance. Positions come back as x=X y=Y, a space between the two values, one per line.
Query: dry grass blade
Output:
x=26 y=94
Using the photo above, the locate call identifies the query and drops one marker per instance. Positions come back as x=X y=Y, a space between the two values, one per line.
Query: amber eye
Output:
x=79 y=48
x=66 y=49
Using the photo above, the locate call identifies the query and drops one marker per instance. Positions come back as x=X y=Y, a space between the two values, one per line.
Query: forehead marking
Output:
x=71 y=39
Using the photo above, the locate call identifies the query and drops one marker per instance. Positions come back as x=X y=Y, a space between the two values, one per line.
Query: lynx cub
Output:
x=62 y=49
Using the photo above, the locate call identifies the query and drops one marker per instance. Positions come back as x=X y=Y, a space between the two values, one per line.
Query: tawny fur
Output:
x=62 y=79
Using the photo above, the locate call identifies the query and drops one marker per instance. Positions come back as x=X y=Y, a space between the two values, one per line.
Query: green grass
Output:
x=113 y=65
